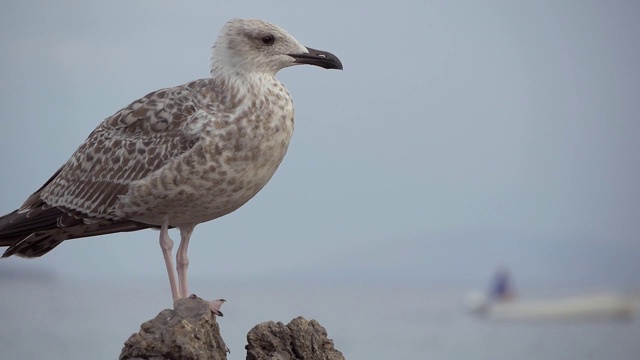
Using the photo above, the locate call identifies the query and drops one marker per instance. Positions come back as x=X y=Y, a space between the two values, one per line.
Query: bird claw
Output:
x=215 y=306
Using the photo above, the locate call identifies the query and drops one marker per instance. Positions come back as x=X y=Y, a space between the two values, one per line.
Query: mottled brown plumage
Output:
x=177 y=156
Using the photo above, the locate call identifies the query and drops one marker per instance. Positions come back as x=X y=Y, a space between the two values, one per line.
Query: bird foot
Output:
x=214 y=305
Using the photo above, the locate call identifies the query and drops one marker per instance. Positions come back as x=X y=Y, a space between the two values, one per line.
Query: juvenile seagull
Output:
x=176 y=157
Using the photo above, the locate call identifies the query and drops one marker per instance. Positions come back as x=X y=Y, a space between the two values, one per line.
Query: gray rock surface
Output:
x=301 y=339
x=188 y=332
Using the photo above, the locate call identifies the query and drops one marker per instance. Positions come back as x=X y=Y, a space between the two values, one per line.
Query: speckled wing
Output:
x=126 y=147
x=79 y=200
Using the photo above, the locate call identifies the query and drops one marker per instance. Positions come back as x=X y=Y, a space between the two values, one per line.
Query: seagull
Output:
x=177 y=157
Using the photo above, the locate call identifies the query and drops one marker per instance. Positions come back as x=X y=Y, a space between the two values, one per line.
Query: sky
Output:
x=460 y=137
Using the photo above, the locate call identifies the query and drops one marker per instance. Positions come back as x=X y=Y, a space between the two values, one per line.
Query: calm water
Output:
x=66 y=319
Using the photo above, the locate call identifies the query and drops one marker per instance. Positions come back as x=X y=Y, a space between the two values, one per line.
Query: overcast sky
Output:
x=460 y=136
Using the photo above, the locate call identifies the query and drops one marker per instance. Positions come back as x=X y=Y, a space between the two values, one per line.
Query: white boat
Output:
x=602 y=306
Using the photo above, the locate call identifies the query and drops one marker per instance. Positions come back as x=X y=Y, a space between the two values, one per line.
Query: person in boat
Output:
x=501 y=287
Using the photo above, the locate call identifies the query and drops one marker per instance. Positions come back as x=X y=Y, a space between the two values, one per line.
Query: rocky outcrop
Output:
x=190 y=331
x=301 y=339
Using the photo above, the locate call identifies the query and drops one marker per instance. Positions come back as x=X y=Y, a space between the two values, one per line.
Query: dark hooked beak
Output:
x=318 y=58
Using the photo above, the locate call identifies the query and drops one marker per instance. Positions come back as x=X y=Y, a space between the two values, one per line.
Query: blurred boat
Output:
x=602 y=306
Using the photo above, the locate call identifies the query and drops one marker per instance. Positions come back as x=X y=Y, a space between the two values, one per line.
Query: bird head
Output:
x=252 y=45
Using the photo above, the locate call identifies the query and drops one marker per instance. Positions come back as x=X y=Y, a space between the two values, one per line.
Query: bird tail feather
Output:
x=33 y=234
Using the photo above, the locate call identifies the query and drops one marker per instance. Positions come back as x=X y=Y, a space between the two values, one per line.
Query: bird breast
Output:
x=234 y=158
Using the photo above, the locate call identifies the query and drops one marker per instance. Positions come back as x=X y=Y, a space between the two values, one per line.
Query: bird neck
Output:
x=235 y=80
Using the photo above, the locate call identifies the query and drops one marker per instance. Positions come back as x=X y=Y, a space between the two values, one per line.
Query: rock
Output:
x=301 y=339
x=189 y=332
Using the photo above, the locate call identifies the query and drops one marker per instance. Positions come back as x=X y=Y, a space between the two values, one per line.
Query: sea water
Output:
x=53 y=318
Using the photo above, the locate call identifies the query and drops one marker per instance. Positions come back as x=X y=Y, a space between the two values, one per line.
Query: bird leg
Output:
x=167 y=246
x=182 y=260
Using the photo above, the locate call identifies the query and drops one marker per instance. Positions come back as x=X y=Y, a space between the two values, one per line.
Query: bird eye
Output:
x=268 y=40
